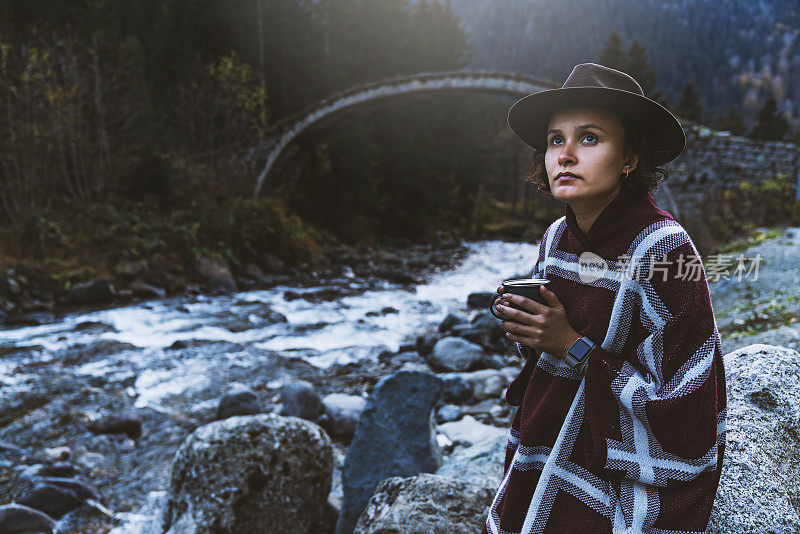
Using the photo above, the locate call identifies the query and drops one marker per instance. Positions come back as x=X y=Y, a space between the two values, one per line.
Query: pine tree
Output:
x=638 y=65
x=613 y=56
x=731 y=122
x=690 y=107
x=771 y=124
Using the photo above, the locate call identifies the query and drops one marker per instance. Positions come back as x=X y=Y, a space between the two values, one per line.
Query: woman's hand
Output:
x=544 y=328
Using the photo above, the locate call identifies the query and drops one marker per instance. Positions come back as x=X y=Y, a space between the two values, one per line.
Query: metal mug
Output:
x=525 y=287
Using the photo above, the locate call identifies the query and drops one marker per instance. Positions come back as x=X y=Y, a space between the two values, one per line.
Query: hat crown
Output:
x=594 y=75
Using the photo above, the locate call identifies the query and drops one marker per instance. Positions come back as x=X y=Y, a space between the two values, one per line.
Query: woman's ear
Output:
x=631 y=161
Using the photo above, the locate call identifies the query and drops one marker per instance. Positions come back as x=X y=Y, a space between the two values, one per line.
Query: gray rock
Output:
x=19 y=519
x=454 y=354
x=485 y=321
x=469 y=431
x=57 y=496
x=147 y=291
x=467 y=331
x=482 y=384
x=481 y=463
x=426 y=342
x=272 y=263
x=129 y=269
x=93 y=292
x=493 y=361
x=160 y=278
x=9 y=450
x=394 y=437
x=400 y=358
x=455 y=389
x=9 y=287
x=761 y=474
x=450 y=321
x=240 y=400
x=210 y=268
x=479 y=300
x=300 y=399
x=484 y=407
x=53 y=454
x=425 y=504
x=123 y=423
x=342 y=413
x=447 y=413
x=261 y=473
x=252 y=271
x=30 y=319
x=58 y=469
x=486 y=327
x=94 y=327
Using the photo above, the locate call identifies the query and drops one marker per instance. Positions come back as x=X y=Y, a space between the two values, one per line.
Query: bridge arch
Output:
x=283 y=133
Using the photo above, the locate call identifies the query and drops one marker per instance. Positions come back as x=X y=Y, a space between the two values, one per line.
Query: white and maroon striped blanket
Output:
x=637 y=444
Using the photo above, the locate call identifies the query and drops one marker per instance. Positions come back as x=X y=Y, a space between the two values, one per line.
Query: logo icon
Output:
x=591 y=267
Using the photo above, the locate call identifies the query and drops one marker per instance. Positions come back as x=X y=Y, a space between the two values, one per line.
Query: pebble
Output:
x=54 y=454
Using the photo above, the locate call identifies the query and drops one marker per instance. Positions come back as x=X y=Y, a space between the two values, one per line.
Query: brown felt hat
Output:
x=593 y=85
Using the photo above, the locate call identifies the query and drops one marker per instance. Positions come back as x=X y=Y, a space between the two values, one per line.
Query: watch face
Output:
x=580 y=349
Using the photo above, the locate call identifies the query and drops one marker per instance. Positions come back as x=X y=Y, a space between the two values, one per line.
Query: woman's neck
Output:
x=586 y=215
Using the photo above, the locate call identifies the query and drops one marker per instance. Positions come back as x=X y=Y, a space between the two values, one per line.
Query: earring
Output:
x=626 y=174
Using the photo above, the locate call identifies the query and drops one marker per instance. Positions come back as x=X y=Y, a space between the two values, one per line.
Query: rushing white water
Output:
x=338 y=331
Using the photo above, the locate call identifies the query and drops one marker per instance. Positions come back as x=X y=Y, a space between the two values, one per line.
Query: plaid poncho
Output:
x=637 y=444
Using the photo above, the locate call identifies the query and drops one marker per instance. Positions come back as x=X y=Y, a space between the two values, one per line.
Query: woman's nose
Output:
x=566 y=155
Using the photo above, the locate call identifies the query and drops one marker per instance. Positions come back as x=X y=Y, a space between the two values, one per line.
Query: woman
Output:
x=620 y=425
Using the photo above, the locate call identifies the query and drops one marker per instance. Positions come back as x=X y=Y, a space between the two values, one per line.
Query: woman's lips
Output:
x=567 y=177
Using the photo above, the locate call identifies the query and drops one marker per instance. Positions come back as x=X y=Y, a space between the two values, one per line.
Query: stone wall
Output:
x=714 y=160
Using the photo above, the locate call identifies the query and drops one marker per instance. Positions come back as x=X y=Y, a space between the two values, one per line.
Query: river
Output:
x=172 y=359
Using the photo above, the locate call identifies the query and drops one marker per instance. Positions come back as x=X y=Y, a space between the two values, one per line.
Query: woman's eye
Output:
x=590 y=137
x=555 y=140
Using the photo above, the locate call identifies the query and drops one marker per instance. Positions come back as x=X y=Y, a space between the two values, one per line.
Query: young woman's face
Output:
x=588 y=143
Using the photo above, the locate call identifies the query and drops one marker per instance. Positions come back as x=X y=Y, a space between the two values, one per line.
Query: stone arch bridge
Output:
x=712 y=160
x=484 y=81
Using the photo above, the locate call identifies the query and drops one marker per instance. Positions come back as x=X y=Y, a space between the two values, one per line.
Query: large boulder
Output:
x=262 y=473
x=395 y=436
x=19 y=519
x=454 y=354
x=761 y=472
x=426 y=504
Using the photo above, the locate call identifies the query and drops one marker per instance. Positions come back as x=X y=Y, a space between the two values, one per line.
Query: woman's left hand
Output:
x=544 y=328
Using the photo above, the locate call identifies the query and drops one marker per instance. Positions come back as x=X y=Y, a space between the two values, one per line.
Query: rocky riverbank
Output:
x=29 y=296
x=764 y=305
x=81 y=447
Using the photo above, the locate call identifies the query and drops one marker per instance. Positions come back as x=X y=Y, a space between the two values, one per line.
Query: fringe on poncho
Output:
x=635 y=445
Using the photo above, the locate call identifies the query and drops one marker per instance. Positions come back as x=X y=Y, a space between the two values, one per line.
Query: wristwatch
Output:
x=578 y=354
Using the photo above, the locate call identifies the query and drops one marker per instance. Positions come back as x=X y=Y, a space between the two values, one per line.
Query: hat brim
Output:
x=529 y=117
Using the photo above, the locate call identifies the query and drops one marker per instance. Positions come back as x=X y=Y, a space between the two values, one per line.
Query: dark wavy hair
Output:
x=644 y=179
